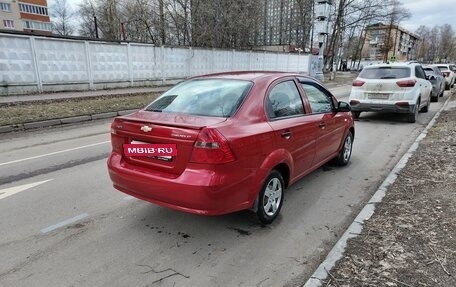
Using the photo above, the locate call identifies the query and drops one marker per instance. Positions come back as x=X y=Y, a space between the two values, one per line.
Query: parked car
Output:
x=449 y=74
x=242 y=138
x=399 y=88
x=437 y=80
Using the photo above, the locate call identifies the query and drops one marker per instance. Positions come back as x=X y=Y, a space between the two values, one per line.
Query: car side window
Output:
x=419 y=72
x=284 y=100
x=319 y=101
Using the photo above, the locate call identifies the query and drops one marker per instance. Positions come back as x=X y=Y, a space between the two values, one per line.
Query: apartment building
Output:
x=25 y=15
x=389 y=42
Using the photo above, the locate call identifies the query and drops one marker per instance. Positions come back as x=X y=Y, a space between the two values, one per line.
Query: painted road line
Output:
x=53 y=153
x=13 y=190
x=63 y=223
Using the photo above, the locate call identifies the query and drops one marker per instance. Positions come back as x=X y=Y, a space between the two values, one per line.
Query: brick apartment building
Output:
x=401 y=44
x=25 y=15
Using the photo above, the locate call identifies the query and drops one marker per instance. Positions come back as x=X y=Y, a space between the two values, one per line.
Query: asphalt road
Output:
x=62 y=223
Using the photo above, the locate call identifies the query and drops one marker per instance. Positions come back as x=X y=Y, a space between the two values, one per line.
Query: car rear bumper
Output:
x=399 y=107
x=199 y=191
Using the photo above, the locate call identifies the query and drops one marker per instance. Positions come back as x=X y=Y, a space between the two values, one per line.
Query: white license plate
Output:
x=163 y=157
x=378 y=96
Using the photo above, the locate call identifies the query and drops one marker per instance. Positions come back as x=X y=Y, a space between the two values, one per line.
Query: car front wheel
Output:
x=270 y=199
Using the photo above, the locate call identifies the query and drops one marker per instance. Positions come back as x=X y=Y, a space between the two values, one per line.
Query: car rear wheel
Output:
x=411 y=118
x=345 y=152
x=356 y=114
x=270 y=199
x=425 y=109
x=434 y=98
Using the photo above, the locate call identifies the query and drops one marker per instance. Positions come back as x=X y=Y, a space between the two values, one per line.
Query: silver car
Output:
x=435 y=76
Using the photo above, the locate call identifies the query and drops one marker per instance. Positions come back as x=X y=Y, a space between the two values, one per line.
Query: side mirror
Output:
x=343 y=107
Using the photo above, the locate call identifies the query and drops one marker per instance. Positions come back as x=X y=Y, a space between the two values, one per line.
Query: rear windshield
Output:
x=385 y=73
x=206 y=97
x=443 y=68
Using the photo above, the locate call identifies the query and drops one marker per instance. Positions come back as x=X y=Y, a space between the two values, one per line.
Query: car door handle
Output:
x=322 y=125
x=286 y=134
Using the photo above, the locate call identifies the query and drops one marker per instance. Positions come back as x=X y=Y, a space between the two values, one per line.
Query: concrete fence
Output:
x=30 y=64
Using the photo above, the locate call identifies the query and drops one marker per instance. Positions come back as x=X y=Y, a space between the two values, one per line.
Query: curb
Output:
x=336 y=253
x=63 y=121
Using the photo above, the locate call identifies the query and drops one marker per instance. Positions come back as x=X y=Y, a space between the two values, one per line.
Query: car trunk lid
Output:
x=146 y=127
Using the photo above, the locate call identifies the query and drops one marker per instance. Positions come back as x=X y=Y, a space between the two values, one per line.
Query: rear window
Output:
x=205 y=97
x=443 y=68
x=385 y=73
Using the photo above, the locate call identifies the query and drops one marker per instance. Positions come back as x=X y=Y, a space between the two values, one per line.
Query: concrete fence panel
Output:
x=40 y=64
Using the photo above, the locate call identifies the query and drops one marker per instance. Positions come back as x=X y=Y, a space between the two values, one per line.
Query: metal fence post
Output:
x=35 y=64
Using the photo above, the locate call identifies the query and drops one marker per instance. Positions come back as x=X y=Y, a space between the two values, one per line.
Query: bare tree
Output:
x=62 y=17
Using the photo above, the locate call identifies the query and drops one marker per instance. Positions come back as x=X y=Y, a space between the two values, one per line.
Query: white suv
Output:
x=398 y=87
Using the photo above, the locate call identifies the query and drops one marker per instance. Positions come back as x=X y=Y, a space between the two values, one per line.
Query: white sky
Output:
x=424 y=12
x=430 y=13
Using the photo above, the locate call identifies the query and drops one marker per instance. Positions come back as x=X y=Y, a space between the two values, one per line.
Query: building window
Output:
x=8 y=23
x=33 y=9
x=33 y=25
x=5 y=7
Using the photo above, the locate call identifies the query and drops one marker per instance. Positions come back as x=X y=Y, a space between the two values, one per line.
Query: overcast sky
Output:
x=424 y=12
x=430 y=13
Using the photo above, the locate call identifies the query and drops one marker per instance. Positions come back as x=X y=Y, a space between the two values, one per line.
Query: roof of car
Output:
x=392 y=65
x=248 y=75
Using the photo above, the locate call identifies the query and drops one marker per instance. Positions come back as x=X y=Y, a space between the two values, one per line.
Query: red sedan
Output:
x=240 y=140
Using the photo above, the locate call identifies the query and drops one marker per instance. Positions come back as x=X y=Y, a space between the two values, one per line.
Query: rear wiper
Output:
x=154 y=110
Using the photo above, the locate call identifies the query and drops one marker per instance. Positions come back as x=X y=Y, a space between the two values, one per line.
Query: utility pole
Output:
x=96 y=26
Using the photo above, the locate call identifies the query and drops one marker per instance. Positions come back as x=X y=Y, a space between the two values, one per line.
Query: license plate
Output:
x=161 y=157
x=378 y=96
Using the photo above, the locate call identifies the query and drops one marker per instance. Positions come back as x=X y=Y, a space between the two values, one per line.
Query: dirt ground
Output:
x=411 y=238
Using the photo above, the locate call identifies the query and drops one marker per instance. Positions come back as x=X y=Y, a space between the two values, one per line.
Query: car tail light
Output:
x=211 y=147
x=446 y=74
x=117 y=142
x=357 y=83
x=406 y=83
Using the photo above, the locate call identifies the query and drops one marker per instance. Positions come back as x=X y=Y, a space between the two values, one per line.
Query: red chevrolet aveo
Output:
x=242 y=138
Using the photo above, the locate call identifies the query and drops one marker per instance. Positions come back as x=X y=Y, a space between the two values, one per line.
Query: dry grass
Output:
x=19 y=113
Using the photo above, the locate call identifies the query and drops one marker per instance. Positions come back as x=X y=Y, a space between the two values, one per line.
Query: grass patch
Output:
x=19 y=113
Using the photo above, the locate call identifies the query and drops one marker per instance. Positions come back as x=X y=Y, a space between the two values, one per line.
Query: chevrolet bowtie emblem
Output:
x=146 y=129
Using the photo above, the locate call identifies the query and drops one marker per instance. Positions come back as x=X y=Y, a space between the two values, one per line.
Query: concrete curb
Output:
x=336 y=253
x=56 y=122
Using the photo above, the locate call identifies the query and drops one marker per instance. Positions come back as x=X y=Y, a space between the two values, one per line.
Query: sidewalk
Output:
x=410 y=240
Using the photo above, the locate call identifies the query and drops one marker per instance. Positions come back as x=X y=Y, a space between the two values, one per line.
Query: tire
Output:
x=411 y=117
x=356 y=115
x=447 y=87
x=345 y=152
x=434 y=98
x=425 y=109
x=270 y=199
x=441 y=94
